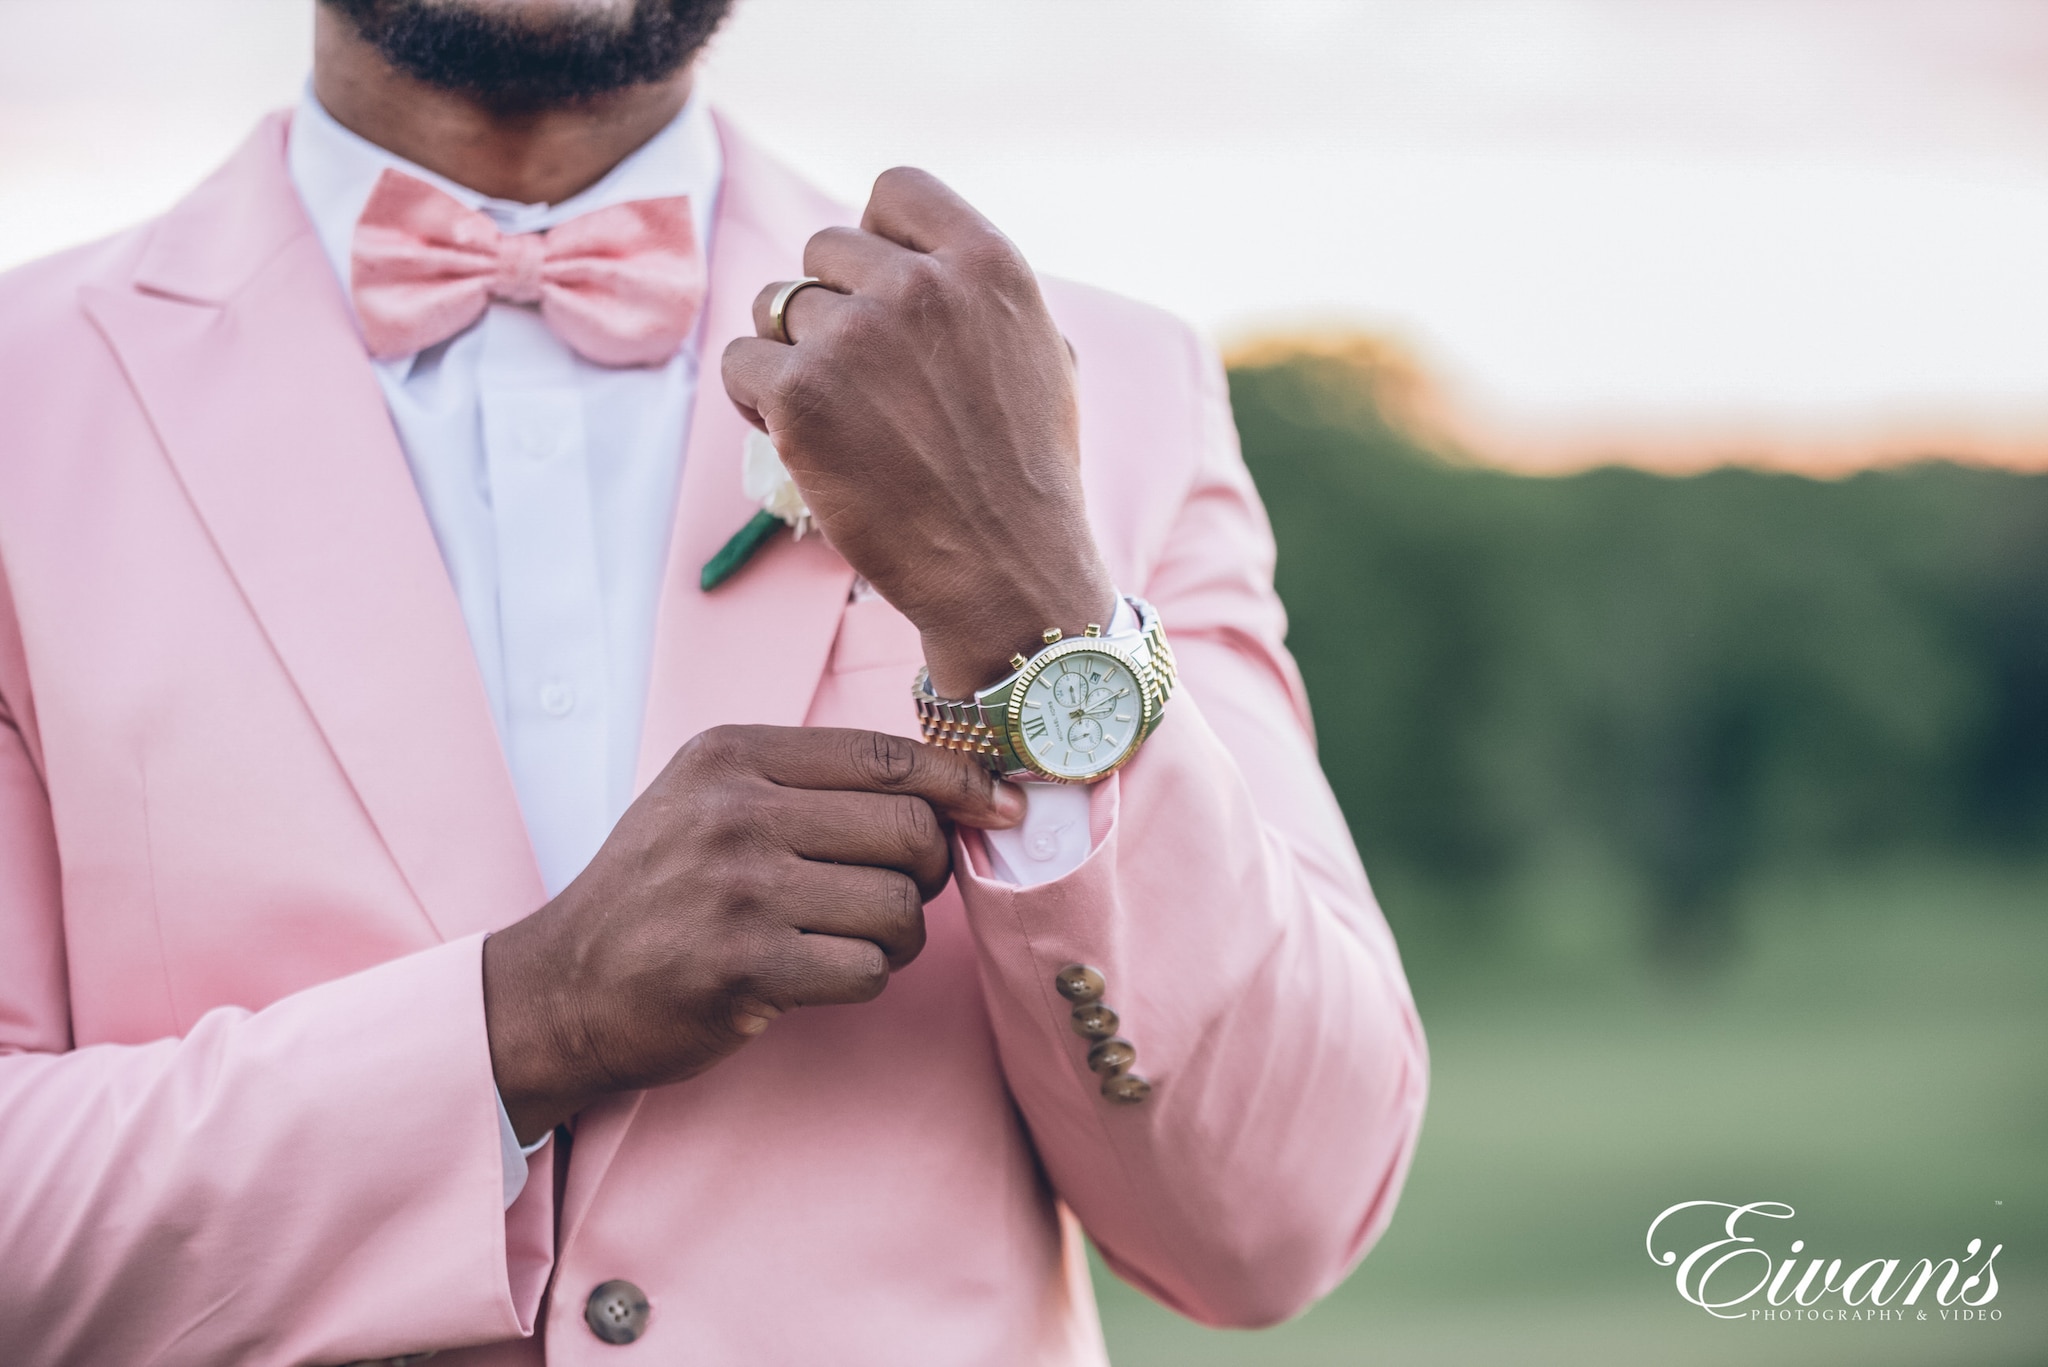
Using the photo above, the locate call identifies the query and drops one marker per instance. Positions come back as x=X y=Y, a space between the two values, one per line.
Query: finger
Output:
x=849 y=258
x=886 y=831
x=752 y=368
x=918 y=210
x=835 y=970
x=857 y=902
x=802 y=312
x=958 y=787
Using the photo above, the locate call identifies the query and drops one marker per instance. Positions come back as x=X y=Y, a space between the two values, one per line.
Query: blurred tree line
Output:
x=1691 y=681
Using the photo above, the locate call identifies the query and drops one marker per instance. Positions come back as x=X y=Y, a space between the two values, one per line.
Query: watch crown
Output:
x=1094 y=629
x=1018 y=662
x=1053 y=634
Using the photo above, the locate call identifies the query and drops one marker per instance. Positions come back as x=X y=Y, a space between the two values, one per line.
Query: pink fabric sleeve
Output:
x=316 y=1181
x=1225 y=906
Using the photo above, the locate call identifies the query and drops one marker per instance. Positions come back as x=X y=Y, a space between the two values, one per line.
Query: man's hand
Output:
x=767 y=868
x=927 y=411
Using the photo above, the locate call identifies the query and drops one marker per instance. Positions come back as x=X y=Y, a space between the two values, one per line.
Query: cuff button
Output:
x=1126 y=1089
x=1112 y=1056
x=1079 y=983
x=1093 y=1020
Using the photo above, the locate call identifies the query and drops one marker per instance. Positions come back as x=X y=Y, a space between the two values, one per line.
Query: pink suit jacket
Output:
x=254 y=824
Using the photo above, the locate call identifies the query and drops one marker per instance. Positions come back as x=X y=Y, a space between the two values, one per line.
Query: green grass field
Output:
x=1874 y=1054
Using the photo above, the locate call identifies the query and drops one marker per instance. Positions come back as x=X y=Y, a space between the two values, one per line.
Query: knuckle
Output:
x=917 y=826
x=869 y=970
x=718 y=747
x=967 y=781
x=727 y=815
x=898 y=180
x=790 y=382
x=743 y=890
x=693 y=753
x=921 y=283
x=825 y=241
x=991 y=256
x=884 y=760
x=798 y=389
x=896 y=917
x=909 y=910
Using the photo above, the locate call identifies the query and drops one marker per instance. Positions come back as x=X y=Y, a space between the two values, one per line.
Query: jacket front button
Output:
x=616 y=1312
x=1079 y=983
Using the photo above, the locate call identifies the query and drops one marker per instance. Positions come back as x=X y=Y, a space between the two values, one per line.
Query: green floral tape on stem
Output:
x=738 y=551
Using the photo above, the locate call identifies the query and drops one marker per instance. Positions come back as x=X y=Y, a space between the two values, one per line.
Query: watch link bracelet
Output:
x=1072 y=713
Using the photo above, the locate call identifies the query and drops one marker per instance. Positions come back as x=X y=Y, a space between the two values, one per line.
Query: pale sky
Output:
x=1801 y=220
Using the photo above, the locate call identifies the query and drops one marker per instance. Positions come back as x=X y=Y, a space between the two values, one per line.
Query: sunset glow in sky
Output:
x=1674 y=226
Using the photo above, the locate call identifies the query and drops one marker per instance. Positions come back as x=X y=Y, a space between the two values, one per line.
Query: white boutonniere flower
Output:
x=767 y=480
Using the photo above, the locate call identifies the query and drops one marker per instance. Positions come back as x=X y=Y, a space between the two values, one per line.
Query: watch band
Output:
x=976 y=725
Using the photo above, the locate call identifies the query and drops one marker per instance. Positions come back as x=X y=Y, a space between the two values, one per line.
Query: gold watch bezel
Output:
x=1013 y=708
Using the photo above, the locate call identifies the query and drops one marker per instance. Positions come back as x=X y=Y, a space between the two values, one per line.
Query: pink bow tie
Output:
x=622 y=285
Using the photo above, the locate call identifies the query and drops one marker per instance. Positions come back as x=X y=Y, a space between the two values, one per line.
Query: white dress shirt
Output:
x=550 y=483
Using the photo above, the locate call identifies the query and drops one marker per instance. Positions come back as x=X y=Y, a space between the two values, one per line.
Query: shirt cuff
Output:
x=514 y=1154
x=1053 y=839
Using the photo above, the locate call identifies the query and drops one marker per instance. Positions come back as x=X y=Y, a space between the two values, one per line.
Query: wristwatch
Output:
x=1072 y=713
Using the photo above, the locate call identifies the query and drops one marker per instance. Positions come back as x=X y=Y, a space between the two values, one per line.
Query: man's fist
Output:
x=926 y=409
x=767 y=868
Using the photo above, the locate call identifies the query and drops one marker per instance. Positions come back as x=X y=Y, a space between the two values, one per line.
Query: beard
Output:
x=509 y=61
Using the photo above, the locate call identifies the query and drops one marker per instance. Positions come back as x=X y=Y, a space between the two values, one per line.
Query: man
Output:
x=433 y=922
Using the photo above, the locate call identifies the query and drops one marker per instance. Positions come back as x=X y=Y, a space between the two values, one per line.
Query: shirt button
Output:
x=1079 y=983
x=616 y=1312
x=1044 y=846
x=1093 y=1020
x=557 y=699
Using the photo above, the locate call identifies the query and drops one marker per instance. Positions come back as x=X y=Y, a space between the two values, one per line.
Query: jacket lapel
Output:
x=239 y=342
x=753 y=649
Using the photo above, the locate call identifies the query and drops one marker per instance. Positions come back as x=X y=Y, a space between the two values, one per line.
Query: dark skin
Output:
x=531 y=156
x=927 y=410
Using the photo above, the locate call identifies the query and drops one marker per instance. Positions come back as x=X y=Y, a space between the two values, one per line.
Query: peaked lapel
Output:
x=238 y=340
x=753 y=649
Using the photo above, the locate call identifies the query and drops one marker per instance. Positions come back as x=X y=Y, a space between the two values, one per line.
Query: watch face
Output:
x=1079 y=714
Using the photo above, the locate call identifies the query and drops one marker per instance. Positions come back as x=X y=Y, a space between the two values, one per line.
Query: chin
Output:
x=535 y=54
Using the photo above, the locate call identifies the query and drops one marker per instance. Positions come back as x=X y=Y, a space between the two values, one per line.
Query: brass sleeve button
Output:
x=616 y=1312
x=1127 y=1089
x=1093 y=1020
x=1112 y=1056
x=1079 y=983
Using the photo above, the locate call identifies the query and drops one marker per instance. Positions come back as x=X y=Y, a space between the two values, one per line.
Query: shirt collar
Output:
x=334 y=171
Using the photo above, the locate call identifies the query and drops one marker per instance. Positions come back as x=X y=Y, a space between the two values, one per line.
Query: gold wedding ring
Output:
x=778 y=309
